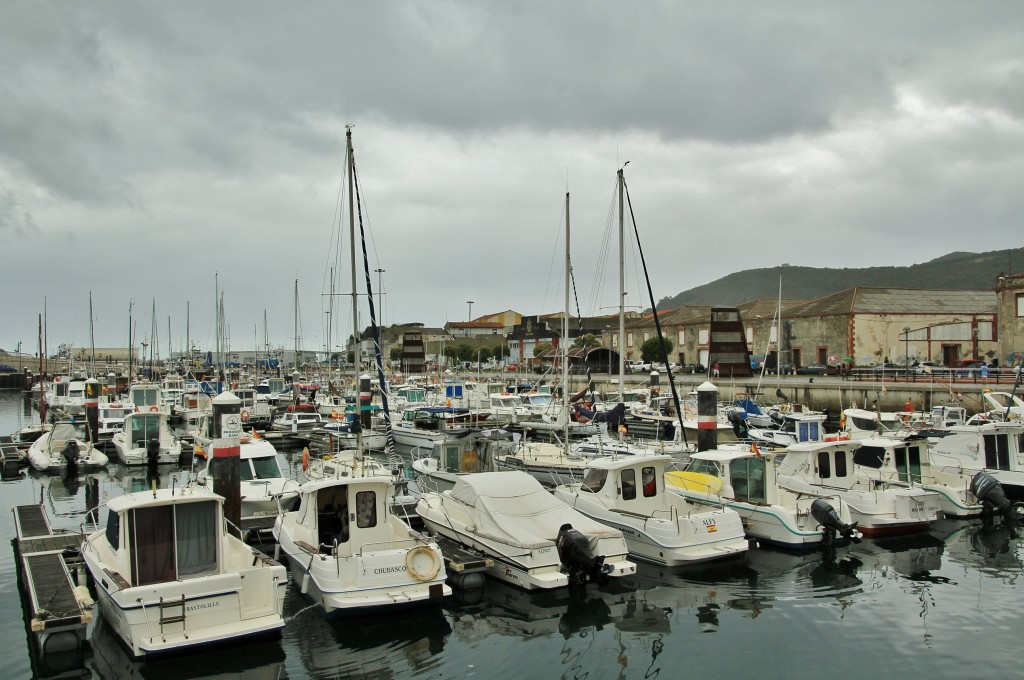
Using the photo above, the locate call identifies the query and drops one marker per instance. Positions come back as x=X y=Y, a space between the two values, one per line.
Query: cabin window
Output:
x=840 y=464
x=628 y=484
x=866 y=424
x=809 y=432
x=144 y=428
x=594 y=480
x=114 y=530
x=824 y=465
x=650 y=480
x=746 y=475
x=997 y=452
x=152 y=534
x=196 y=533
x=869 y=456
x=366 y=509
x=908 y=463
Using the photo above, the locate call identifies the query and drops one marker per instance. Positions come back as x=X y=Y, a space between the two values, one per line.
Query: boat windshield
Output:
x=594 y=480
x=264 y=468
x=707 y=467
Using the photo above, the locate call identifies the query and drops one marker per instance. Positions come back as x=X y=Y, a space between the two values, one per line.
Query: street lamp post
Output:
x=20 y=370
x=906 y=348
x=470 y=303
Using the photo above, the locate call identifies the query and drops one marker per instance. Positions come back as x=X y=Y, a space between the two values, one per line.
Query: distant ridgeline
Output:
x=957 y=271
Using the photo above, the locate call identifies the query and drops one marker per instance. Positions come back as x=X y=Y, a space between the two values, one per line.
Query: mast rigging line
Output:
x=654 y=309
x=381 y=377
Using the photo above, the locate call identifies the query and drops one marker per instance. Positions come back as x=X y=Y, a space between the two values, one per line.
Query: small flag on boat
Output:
x=255 y=433
x=754 y=449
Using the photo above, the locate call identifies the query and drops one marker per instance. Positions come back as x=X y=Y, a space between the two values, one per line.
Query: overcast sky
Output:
x=146 y=147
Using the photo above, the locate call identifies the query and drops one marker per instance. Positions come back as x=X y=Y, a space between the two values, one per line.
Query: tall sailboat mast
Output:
x=565 y=334
x=622 y=294
x=92 y=339
x=352 y=239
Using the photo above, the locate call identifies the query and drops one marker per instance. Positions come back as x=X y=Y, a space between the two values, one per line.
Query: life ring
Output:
x=305 y=459
x=422 y=563
x=245 y=415
x=153 y=409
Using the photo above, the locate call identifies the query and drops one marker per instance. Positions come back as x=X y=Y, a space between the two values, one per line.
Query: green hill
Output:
x=957 y=271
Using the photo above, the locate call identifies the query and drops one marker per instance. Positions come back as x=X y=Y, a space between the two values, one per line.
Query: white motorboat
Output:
x=146 y=438
x=148 y=398
x=170 y=576
x=438 y=469
x=627 y=493
x=745 y=481
x=350 y=554
x=262 y=482
x=827 y=468
x=536 y=541
x=297 y=421
x=550 y=464
x=111 y=419
x=64 y=447
x=791 y=428
x=995 y=447
x=906 y=463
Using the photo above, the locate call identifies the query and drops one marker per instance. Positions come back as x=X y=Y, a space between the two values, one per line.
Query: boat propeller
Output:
x=577 y=560
x=990 y=494
x=825 y=515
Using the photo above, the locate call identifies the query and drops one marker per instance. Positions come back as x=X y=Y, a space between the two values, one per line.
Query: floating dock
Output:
x=58 y=610
x=464 y=567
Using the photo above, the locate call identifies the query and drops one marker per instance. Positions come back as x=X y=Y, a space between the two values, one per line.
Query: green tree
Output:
x=586 y=341
x=651 y=351
x=396 y=353
x=541 y=347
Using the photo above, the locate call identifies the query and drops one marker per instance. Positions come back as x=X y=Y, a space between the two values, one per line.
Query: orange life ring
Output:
x=153 y=409
x=245 y=415
x=305 y=459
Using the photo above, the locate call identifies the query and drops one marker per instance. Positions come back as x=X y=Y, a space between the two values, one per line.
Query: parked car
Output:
x=812 y=369
x=7 y=368
x=694 y=368
x=881 y=370
x=968 y=368
x=930 y=368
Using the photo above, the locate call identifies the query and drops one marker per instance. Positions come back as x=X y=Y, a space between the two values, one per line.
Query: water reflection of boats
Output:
x=141 y=478
x=991 y=547
x=912 y=556
x=260 y=661
x=378 y=646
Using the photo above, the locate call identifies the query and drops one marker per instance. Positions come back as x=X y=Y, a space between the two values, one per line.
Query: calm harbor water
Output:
x=942 y=604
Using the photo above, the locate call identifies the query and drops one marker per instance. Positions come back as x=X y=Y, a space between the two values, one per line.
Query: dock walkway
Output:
x=58 y=612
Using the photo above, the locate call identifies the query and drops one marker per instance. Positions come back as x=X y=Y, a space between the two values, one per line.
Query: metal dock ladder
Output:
x=168 y=615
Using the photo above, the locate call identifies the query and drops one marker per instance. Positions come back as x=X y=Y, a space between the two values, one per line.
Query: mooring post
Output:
x=92 y=411
x=707 y=417
x=224 y=459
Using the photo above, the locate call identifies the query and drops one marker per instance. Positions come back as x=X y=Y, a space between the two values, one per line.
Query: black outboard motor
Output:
x=739 y=424
x=825 y=515
x=152 y=451
x=990 y=494
x=577 y=561
x=70 y=454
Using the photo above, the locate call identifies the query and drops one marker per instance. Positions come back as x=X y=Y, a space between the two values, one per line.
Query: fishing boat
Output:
x=627 y=493
x=349 y=553
x=437 y=469
x=535 y=540
x=744 y=480
x=827 y=468
x=170 y=576
x=297 y=421
x=146 y=438
x=64 y=447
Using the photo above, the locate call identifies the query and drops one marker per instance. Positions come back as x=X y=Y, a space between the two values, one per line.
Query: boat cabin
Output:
x=629 y=484
x=894 y=459
x=146 y=397
x=142 y=427
x=743 y=475
x=344 y=514
x=165 y=535
x=826 y=464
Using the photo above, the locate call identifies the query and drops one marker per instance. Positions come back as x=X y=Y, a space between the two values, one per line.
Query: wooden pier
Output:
x=58 y=611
